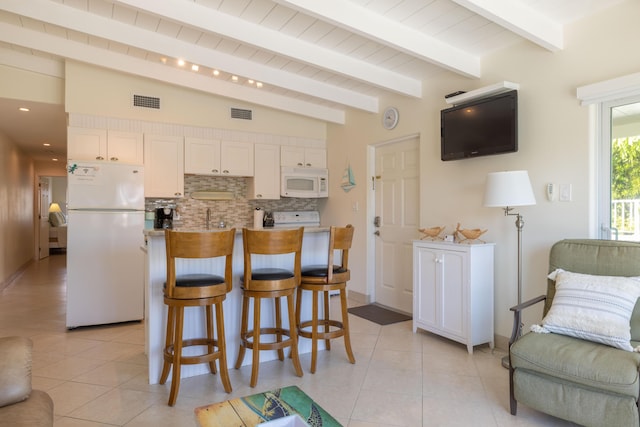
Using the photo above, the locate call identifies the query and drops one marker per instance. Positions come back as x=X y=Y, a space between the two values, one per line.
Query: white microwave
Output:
x=304 y=182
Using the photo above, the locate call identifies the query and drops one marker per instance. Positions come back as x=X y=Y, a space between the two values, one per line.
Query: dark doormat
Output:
x=378 y=314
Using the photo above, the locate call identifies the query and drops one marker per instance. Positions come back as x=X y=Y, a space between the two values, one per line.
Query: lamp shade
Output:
x=54 y=207
x=509 y=188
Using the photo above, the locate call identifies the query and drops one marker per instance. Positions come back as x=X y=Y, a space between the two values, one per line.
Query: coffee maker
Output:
x=164 y=218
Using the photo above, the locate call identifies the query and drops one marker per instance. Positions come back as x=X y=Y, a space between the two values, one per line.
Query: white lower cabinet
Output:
x=453 y=291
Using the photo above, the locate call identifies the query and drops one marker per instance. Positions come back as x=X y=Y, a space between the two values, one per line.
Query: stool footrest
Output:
x=169 y=354
x=247 y=339
x=321 y=334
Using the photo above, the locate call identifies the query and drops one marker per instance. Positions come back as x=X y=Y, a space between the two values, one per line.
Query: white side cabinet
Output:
x=163 y=166
x=453 y=291
x=301 y=157
x=265 y=184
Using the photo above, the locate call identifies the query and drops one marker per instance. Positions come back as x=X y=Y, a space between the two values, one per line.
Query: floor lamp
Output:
x=506 y=190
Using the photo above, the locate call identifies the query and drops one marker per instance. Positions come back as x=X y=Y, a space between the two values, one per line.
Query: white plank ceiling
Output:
x=309 y=57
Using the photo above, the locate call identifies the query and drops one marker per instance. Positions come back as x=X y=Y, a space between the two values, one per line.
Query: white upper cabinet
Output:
x=201 y=156
x=102 y=145
x=265 y=184
x=86 y=144
x=302 y=157
x=163 y=166
x=212 y=157
x=125 y=147
x=236 y=158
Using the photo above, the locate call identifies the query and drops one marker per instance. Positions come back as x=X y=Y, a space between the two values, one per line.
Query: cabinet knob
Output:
x=300 y=164
x=258 y=196
x=308 y=165
x=177 y=194
x=99 y=158
x=214 y=170
x=225 y=171
x=114 y=159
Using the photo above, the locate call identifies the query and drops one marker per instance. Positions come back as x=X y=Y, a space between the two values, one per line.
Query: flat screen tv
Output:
x=480 y=128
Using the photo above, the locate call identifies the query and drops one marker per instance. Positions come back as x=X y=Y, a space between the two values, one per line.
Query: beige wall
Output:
x=30 y=86
x=16 y=210
x=554 y=147
x=112 y=98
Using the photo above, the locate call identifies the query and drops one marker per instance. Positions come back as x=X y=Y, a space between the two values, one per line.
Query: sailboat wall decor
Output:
x=348 y=180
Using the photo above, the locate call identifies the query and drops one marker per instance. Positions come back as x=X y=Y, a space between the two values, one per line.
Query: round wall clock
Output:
x=390 y=118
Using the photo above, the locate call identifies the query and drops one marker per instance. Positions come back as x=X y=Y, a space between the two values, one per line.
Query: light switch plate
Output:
x=565 y=192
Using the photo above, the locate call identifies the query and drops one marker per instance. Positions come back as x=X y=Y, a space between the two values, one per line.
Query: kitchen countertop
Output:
x=160 y=232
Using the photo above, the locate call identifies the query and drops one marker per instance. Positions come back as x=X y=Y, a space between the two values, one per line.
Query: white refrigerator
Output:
x=105 y=265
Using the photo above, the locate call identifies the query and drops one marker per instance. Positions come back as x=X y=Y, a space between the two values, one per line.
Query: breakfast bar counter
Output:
x=314 y=251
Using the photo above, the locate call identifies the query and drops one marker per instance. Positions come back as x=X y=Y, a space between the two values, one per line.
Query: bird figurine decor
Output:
x=468 y=235
x=432 y=233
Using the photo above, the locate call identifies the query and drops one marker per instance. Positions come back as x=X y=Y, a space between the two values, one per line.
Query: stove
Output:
x=287 y=219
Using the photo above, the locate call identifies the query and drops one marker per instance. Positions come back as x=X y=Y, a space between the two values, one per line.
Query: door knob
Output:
x=376 y=233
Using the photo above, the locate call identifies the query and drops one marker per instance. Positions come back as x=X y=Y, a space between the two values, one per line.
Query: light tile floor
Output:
x=97 y=376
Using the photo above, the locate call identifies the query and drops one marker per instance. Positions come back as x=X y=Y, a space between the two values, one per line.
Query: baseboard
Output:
x=6 y=283
x=501 y=343
x=359 y=297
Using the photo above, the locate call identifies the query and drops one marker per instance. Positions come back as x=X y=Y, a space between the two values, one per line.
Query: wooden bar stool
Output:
x=261 y=283
x=322 y=279
x=196 y=290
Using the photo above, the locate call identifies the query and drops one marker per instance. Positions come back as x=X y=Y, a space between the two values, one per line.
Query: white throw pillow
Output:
x=593 y=308
x=57 y=219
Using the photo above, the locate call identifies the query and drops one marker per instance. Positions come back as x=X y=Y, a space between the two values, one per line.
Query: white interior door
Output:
x=43 y=216
x=397 y=217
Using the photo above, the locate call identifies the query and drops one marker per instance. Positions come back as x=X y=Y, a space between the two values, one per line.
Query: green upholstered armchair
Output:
x=570 y=378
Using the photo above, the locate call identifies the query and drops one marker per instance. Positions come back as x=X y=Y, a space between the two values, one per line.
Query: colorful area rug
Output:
x=258 y=408
x=378 y=314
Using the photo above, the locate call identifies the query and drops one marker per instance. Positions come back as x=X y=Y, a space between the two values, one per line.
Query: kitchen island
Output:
x=314 y=251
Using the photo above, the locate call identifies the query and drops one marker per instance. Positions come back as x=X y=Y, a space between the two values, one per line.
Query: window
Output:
x=619 y=170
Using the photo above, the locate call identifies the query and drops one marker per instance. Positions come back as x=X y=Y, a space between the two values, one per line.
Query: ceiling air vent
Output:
x=146 y=102
x=238 y=113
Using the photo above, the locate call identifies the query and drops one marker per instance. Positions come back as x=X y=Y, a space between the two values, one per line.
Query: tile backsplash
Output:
x=235 y=213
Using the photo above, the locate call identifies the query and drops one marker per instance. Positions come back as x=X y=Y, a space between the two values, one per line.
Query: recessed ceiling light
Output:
x=55 y=160
x=234 y=78
x=216 y=72
x=194 y=67
x=258 y=84
x=46 y=144
x=23 y=109
x=250 y=81
x=181 y=62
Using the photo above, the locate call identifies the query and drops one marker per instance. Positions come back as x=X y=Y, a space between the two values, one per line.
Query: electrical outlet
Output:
x=565 y=192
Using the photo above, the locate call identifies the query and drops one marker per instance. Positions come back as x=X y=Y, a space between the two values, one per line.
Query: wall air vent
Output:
x=146 y=102
x=238 y=113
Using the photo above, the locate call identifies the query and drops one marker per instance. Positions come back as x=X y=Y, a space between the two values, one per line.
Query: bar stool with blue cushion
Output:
x=323 y=279
x=196 y=290
x=269 y=282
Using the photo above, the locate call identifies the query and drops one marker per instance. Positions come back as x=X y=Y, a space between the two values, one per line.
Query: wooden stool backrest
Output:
x=210 y=244
x=340 y=239
x=272 y=242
